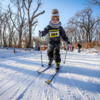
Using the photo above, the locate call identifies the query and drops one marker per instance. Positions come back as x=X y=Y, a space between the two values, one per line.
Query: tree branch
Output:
x=36 y=10
x=34 y=23
x=38 y=14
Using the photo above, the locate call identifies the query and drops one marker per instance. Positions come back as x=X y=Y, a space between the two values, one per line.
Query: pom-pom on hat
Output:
x=55 y=13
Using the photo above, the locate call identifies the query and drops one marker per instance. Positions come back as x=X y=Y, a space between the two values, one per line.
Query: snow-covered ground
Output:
x=78 y=79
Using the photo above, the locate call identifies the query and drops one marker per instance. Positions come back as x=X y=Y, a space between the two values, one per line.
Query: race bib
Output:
x=54 y=33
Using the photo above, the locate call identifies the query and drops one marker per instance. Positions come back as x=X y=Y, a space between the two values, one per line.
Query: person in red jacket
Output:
x=43 y=48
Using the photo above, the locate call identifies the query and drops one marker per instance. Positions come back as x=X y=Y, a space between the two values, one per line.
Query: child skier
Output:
x=79 y=47
x=55 y=31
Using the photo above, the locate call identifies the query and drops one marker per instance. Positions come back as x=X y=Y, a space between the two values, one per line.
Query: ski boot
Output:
x=50 y=62
x=57 y=66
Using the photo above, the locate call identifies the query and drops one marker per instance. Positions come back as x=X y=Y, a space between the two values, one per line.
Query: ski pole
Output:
x=41 y=52
x=65 y=56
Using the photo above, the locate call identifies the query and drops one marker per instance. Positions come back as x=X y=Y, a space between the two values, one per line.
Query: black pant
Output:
x=54 y=52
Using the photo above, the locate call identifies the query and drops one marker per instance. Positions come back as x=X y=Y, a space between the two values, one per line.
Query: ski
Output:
x=44 y=69
x=52 y=77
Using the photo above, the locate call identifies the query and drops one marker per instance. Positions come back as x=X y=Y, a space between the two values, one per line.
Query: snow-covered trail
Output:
x=78 y=79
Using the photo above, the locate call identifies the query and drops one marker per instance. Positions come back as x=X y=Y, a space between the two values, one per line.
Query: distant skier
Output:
x=72 y=47
x=79 y=47
x=35 y=48
x=38 y=48
x=55 y=31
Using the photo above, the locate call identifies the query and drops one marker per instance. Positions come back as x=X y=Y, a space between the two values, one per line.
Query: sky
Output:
x=66 y=8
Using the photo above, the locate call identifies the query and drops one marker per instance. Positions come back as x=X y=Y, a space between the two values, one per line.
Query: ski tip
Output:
x=48 y=82
x=39 y=72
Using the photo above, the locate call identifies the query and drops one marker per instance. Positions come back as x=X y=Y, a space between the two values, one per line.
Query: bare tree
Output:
x=97 y=34
x=1 y=24
x=36 y=40
x=20 y=18
x=4 y=27
x=32 y=19
x=0 y=29
x=93 y=2
x=84 y=19
x=72 y=32
x=11 y=31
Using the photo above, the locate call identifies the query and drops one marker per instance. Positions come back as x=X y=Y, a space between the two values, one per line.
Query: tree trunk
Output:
x=30 y=33
x=87 y=37
x=71 y=40
x=20 y=35
x=4 y=42
x=10 y=42
x=75 y=38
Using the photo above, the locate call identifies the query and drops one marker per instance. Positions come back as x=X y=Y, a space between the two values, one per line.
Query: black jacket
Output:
x=79 y=46
x=55 y=34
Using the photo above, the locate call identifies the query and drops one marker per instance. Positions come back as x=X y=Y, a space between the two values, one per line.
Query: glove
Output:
x=40 y=34
x=68 y=43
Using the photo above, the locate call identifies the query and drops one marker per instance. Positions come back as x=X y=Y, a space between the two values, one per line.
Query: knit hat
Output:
x=55 y=13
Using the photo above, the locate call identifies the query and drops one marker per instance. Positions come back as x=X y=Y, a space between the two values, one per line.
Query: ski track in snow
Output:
x=78 y=79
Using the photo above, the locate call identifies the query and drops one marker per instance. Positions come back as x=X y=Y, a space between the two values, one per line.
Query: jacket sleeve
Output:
x=63 y=35
x=45 y=31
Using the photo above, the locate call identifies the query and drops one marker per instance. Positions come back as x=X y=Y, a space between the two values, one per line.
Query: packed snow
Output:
x=78 y=79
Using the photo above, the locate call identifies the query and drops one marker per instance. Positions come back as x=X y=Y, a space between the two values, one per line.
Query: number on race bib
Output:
x=54 y=33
